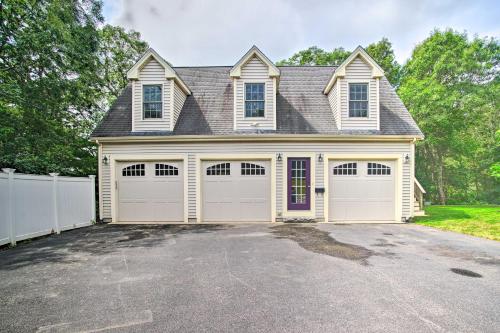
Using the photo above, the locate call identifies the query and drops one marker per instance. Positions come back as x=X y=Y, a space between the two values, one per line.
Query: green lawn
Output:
x=480 y=221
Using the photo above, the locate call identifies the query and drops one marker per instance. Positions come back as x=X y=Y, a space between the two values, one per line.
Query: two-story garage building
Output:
x=255 y=142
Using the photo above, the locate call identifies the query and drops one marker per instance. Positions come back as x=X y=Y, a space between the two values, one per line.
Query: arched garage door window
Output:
x=135 y=170
x=166 y=170
x=221 y=169
x=378 y=169
x=251 y=169
x=346 y=169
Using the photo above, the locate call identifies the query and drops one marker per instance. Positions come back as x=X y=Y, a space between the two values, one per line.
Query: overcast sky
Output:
x=219 y=32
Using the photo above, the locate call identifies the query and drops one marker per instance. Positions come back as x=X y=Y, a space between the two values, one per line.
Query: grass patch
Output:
x=480 y=221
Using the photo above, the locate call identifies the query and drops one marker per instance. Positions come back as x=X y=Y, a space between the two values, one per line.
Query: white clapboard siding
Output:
x=254 y=71
x=152 y=73
x=358 y=71
x=179 y=99
x=334 y=103
x=40 y=205
x=192 y=149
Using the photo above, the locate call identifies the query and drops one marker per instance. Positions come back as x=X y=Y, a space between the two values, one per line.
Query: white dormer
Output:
x=353 y=92
x=255 y=83
x=158 y=94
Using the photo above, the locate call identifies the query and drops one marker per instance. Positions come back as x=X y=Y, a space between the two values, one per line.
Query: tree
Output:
x=381 y=52
x=316 y=56
x=44 y=48
x=495 y=167
x=58 y=73
x=451 y=87
x=118 y=51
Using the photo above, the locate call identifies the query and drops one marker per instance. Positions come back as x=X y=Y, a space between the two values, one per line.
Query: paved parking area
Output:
x=252 y=278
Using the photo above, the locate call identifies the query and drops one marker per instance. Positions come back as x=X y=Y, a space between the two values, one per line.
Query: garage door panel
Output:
x=356 y=195
x=156 y=195
x=240 y=196
x=133 y=189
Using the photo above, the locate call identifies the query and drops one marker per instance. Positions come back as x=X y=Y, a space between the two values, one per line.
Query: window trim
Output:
x=162 y=87
x=245 y=99
x=367 y=83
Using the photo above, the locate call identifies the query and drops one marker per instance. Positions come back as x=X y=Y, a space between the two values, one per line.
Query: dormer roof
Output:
x=377 y=71
x=133 y=73
x=254 y=51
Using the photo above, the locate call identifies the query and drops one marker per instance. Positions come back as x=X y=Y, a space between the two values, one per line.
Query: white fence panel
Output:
x=33 y=212
x=4 y=206
x=32 y=205
x=74 y=202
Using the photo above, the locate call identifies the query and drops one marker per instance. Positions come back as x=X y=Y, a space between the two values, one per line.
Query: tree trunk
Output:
x=437 y=157
x=440 y=184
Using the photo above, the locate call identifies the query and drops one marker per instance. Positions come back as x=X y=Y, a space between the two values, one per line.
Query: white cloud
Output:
x=197 y=32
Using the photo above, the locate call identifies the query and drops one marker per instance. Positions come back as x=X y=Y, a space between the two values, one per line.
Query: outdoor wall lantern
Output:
x=407 y=158
x=279 y=157
x=105 y=160
x=320 y=158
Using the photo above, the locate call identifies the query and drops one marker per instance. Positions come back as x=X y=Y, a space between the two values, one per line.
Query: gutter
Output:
x=259 y=137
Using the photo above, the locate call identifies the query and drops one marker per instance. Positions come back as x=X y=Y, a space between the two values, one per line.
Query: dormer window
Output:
x=152 y=104
x=358 y=99
x=254 y=100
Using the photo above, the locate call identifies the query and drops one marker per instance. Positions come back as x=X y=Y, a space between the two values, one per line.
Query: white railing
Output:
x=419 y=193
x=34 y=205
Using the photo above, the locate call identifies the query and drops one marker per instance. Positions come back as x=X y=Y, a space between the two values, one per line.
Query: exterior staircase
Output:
x=418 y=200
x=416 y=209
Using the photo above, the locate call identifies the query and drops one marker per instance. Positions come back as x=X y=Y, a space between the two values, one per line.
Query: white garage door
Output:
x=236 y=191
x=150 y=191
x=361 y=191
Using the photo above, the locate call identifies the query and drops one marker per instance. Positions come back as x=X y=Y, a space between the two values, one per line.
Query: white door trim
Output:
x=114 y=159
x=398 y=177
x=234 y=157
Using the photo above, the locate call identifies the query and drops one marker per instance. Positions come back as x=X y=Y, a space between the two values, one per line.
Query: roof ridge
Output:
x=208 y=66
x=229 y=66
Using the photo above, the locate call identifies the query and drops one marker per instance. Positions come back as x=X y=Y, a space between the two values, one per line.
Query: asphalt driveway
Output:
x=252 y=278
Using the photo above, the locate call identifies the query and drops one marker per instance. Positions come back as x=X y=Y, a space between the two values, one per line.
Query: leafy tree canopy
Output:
x=451 y=86
x=58 y=72
x=381 y=52
x=316 y=56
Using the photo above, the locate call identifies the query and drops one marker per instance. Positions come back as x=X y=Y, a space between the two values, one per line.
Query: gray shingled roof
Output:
x=301 y=106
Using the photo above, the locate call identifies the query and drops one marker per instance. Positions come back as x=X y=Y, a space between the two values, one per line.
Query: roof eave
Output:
x=257 y=137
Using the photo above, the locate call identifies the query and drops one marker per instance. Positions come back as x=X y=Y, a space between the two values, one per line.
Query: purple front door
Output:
x=299 y=183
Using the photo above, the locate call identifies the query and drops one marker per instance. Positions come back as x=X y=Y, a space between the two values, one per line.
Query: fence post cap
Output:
x=54 y=174
x=8 y=170
x=91 y=176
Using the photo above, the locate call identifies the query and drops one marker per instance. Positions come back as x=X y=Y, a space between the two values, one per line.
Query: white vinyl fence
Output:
x=33 y=205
